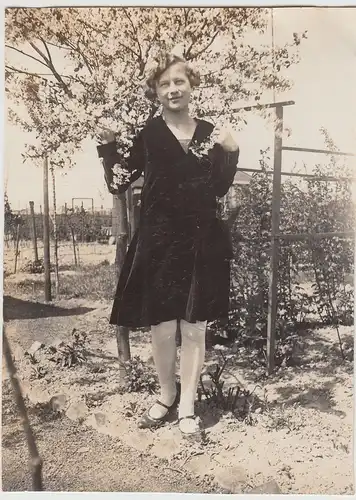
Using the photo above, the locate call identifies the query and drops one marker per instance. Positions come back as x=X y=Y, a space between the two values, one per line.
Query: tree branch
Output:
x=104 y=34
x=39 y=75
x=27 y=55
x=50 y=66
x=135 y=32
x=58 y=46
x=206 y=47
x=46 y=47
x=39 y=51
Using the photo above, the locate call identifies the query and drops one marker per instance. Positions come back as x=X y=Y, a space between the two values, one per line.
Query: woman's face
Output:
x=173 y=88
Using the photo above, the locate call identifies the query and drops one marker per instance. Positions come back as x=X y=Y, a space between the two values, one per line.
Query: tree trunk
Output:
x=55 y=233
x=120 y=231
x=46 y=247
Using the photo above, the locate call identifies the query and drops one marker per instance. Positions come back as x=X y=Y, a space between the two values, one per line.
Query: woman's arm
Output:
x=224 y=167
x=127 y=170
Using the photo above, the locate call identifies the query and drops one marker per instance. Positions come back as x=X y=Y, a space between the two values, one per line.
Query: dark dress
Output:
x=178 y=262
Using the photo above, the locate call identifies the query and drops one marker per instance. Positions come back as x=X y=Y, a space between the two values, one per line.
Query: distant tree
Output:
x=11 y=220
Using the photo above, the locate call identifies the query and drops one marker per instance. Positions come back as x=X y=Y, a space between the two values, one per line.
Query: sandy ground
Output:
x=77 y=458
x=299 y=432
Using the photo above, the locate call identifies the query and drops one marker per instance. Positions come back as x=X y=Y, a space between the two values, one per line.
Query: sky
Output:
x=323 y=91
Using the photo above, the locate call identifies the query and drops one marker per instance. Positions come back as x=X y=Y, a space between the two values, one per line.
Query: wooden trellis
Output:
x=276 y=236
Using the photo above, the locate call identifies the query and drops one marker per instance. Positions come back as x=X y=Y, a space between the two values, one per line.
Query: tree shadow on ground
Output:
x=320 y=399
x=18 y=309
x=209 y=416
x=107 y=358
x=318 y=359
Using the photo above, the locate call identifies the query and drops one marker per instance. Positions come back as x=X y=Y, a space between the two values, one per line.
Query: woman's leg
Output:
x=191 y=364
x=164 y=352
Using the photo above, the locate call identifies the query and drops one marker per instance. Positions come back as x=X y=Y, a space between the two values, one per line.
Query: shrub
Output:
x=313 y=206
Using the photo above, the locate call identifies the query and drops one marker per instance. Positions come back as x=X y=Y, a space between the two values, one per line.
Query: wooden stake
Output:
x=17 y=246
x=36 y=461
x=73 y=241
x=46 y=244
x=276 y=202
x=34 y=235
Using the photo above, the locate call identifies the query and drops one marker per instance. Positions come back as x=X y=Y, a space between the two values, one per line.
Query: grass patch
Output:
x=95 y=282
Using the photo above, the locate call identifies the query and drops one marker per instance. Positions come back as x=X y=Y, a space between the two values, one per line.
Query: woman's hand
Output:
x=106 y=136
x=227 y=140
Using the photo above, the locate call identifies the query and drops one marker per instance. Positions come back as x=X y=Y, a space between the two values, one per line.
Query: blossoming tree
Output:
x=80 y=70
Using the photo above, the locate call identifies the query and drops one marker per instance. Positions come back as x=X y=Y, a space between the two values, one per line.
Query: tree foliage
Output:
x=11 y=220
x=83 y=69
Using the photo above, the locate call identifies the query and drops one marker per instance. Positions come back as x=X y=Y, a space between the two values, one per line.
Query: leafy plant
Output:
x=72 y=353
x=235 y=400
x=139 y=376
x=38 y=371
x=35 y=267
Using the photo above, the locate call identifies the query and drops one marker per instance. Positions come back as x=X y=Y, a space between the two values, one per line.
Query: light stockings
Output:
x=164 y=352
x=191 y=363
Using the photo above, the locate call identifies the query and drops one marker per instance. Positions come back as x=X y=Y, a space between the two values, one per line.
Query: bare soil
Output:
x=77 y=458
x=298 y=429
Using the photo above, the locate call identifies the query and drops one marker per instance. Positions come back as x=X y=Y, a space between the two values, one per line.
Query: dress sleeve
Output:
x=224 y=167
x=127 y=170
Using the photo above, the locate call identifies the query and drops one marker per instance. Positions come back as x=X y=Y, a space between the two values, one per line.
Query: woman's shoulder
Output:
x=209 y=126
x=149 y=130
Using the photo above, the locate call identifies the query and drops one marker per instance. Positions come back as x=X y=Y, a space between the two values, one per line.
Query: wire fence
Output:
x=83 y=238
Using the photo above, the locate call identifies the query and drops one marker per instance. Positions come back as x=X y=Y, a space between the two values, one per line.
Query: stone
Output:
x=83 y=449
x=36 y=346
x=200 y=464
x=77 y=411
x=270 y=488
x=164 y=448
x=138 y=440
x=100 y=419
x=231 y=478
x=58 y=402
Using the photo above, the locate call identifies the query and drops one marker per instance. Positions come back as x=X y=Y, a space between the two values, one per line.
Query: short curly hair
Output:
x=163 y=62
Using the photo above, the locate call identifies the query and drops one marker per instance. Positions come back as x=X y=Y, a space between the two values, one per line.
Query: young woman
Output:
x=177 y=268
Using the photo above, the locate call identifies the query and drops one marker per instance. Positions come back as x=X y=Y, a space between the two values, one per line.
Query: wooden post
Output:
x=120 y=223
x=36 y=461
x=276 y=203
x=55 y=232
x=17 y=246
x=73 y=241
x=46 y=247
x=34 y=235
